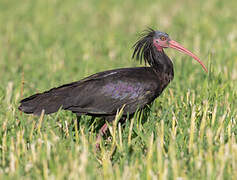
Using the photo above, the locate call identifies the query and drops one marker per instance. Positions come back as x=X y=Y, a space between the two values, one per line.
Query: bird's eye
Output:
x=162 y=38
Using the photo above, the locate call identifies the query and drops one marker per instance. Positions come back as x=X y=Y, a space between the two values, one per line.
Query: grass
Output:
x=191 y=130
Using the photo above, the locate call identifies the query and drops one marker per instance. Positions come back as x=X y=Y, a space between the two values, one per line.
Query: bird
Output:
x=104 y=93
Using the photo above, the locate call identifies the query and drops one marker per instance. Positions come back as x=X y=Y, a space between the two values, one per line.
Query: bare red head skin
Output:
x=162 y=40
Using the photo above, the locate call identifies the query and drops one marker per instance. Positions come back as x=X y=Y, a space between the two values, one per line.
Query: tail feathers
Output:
x=27 y=106
x=49 y=101
x=35 y=104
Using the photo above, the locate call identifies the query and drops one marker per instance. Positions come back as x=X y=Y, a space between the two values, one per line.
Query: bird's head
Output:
x=159 y=40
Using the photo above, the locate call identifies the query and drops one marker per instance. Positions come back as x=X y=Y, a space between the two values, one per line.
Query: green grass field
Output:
x=191 y=130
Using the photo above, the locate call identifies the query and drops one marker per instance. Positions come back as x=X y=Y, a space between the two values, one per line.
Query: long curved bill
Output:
x=177 y=46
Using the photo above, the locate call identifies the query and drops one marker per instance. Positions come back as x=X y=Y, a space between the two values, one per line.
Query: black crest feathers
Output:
x=144 y=48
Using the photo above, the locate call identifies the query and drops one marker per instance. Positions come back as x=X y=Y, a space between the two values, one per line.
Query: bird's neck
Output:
x=162 y=64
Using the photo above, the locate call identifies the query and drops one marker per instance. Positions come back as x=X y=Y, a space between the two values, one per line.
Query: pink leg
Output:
x=102 y=131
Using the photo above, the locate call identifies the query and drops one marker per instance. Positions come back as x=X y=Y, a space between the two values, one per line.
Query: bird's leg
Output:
x=102 y=131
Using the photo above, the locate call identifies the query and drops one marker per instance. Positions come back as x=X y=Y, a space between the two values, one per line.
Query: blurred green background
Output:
x=49 y=43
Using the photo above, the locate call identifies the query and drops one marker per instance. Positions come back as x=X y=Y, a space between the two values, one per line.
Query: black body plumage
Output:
x=102 y=94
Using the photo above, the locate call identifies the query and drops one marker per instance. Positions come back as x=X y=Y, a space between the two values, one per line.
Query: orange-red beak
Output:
x=177 y=46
